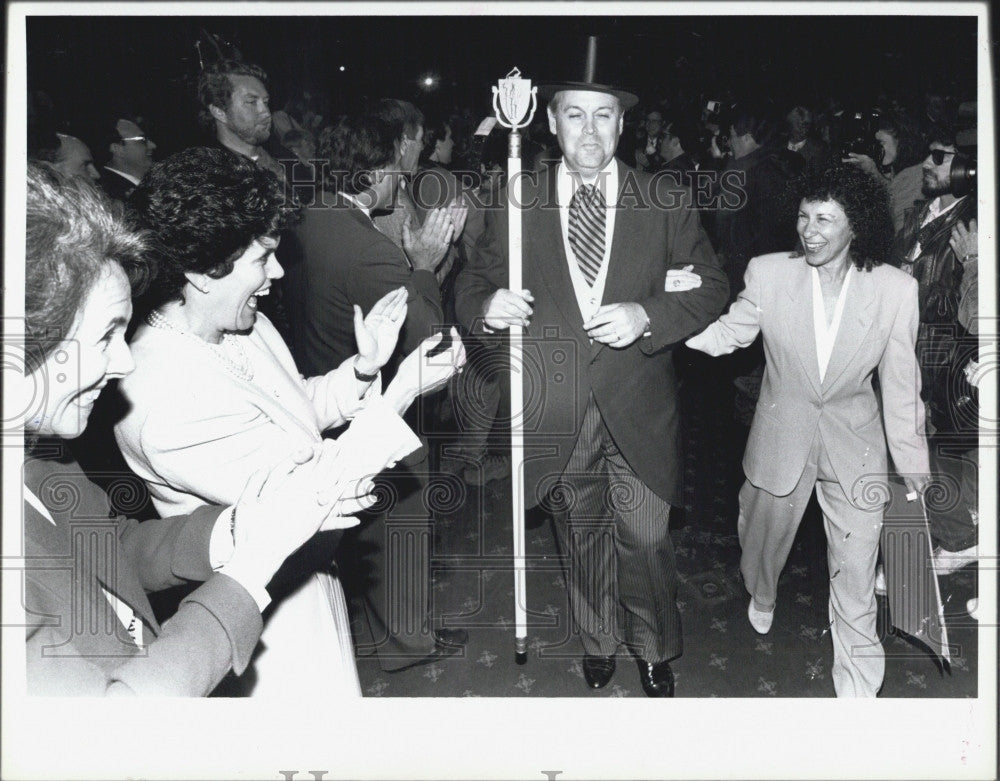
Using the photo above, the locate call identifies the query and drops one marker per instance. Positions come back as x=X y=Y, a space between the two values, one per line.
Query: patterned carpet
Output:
x=723 y=656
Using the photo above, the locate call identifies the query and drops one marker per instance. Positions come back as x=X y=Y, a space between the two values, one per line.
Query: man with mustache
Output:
x=938 y=245
x=235 y=100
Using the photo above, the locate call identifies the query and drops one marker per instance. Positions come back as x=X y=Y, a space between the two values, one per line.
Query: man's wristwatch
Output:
x=363 y=377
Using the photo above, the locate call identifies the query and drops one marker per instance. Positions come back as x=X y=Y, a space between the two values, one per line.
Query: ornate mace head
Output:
x=514 y=101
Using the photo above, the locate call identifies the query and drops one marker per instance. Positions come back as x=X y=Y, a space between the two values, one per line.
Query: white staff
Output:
x=514 y=102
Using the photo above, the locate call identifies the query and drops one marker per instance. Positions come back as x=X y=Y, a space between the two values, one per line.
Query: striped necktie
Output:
x=587 y=220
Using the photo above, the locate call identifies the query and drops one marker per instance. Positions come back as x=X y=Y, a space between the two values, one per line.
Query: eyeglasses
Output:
x=938 y=155
x=136 y=138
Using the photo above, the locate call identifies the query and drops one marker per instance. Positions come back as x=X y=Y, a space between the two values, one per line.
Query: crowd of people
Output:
x=261 y=402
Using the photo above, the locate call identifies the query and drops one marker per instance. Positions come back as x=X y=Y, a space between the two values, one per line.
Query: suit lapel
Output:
x=855 y=323
x=622 y=272
x=802 y=331
x=544 y=228
x=621 y=265
x=81 y=541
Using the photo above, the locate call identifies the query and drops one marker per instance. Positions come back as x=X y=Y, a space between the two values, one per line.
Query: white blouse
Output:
x=826 y=336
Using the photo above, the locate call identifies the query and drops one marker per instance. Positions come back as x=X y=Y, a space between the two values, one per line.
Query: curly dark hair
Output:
x=355 y=147
x=216 y=89
x=864 y=200
x=203 y=207
x=74 y=232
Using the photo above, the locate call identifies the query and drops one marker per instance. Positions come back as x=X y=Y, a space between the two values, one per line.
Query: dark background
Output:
x=148 y=65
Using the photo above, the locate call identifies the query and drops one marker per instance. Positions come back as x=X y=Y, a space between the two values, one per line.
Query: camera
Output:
x=963 y=174
x=717 y=119
x=857 y=135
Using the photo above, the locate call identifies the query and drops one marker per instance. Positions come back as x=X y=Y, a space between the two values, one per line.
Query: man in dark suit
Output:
x=336 y=258
x=131 y=153
x=597 y=243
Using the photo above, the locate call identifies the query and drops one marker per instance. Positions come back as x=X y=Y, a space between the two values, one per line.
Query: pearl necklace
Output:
x=241 y=368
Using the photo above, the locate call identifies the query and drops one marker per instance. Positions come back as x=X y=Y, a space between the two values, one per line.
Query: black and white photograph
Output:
x=404 y=391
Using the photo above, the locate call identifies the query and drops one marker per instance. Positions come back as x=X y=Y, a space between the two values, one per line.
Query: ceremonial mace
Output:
x=514 y=103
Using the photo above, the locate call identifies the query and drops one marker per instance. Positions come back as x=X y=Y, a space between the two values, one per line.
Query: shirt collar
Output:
x=567 y=183
x=934 y=209
x=122 y=174
x=353 y=199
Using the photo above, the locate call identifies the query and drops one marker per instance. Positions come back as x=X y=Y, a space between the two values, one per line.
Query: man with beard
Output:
x=937 y=246
x=234 y=98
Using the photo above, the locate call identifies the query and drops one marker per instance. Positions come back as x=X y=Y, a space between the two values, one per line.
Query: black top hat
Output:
x=592 y=81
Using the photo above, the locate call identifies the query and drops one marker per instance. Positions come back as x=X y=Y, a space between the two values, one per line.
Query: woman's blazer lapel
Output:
x=801 y=330
x=855 y=323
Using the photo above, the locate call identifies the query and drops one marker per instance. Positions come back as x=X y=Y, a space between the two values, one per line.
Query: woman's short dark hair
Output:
x=203 y=207
x=405 y=118
x=911 y=145
x=753 y=118
x=864 y=200
x=357 y=146
x=436 y=127
x=73 y=233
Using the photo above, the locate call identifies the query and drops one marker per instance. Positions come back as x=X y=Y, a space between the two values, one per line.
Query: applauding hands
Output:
x=421 y=373
x=279 y=510
x=377 y=333
x=427 y=245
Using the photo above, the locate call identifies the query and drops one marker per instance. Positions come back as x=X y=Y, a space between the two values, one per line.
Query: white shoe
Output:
x=880 y=581
x=947 y=562
x=973 y=607
x=759 y=619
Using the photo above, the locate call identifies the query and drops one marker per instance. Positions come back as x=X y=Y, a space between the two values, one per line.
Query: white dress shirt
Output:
x=567 y=183
x=122 y=174
x=827 y=335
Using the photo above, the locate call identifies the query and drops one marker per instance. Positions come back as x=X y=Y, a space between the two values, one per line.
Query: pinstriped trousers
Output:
x=614 y=540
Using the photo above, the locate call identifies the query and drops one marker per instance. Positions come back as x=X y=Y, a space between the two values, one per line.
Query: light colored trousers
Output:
x=767 y=527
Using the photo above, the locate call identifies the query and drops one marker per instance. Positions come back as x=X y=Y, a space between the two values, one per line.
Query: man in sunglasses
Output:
x=938 y=246
x=131 y=153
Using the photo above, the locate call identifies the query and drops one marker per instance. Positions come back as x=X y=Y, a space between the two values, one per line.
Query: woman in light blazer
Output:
x=832 y=317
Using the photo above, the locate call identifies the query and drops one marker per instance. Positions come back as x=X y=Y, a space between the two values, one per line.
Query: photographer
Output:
x=900 y=145
x=938 y=246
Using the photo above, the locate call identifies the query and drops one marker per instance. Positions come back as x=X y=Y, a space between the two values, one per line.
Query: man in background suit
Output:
x=597 y=246
x=131 y=153
x=337 y=258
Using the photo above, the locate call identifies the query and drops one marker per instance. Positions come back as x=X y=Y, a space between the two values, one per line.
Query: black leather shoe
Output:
x=447 y=642
x=597 y=670
x=657 y=679
x=454 y=638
